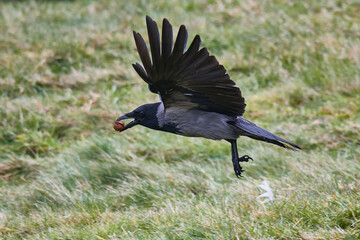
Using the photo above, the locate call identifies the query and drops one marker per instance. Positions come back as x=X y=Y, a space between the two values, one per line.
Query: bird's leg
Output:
x=235 y=158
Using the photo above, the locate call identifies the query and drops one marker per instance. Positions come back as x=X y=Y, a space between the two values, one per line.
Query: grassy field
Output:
x=66 y=75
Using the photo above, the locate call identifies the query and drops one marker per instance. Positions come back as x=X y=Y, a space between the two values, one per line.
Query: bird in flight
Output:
x=198 y=98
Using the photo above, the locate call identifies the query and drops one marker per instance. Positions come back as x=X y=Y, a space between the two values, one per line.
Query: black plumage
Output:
x=193 y=72
x=198 y=98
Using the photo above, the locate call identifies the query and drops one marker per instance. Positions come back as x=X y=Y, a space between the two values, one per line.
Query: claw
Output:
x=245 y=158
x=238 y=170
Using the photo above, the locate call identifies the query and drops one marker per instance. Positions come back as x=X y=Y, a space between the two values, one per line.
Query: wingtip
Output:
x=183 y=27
x=166 y=24
x=166 y=21
x=198 y=39
x=149 y=19
x=137 y=37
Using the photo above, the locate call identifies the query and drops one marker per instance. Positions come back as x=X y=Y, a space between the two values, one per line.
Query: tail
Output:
x=249 y=129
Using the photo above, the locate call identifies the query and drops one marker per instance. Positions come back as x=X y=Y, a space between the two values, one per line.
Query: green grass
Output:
x=65 y=75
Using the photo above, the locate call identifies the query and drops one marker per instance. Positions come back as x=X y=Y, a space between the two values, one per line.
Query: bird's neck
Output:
x=160 y=115
x=163 y=124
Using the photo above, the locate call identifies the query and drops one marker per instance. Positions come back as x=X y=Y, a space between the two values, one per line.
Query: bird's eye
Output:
x=142 y=114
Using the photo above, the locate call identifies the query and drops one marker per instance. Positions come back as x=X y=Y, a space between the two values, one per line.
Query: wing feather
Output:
x=143 y=52
x=180 y=43
x=167 y=39
x=187 y=79
x=194 y=47
x=140 y=70
x=154 y=39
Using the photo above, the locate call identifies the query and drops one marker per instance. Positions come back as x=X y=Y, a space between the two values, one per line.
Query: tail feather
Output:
x=249 y=129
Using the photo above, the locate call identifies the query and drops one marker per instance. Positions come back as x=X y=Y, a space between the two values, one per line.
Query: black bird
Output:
x=198 y=99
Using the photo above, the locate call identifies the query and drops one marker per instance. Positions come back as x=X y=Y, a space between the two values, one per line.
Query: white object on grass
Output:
x=268 y=194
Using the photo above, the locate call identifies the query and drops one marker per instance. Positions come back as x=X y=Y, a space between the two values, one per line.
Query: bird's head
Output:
x=144 y=115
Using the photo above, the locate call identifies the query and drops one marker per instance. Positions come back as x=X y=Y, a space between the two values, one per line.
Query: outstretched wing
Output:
x=185 y=79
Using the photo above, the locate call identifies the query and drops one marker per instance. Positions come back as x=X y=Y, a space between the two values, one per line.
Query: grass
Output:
x=65 y=75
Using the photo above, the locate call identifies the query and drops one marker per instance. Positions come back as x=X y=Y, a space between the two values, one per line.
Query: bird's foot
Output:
x=237 y=168
x=236 y=162
x=245 y=158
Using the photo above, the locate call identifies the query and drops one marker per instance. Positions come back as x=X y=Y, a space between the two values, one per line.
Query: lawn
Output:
x=66 y=75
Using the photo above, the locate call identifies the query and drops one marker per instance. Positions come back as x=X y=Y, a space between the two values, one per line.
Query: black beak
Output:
x=130 y=124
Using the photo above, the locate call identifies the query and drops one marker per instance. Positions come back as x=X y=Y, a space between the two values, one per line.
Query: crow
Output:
x=198 y=98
